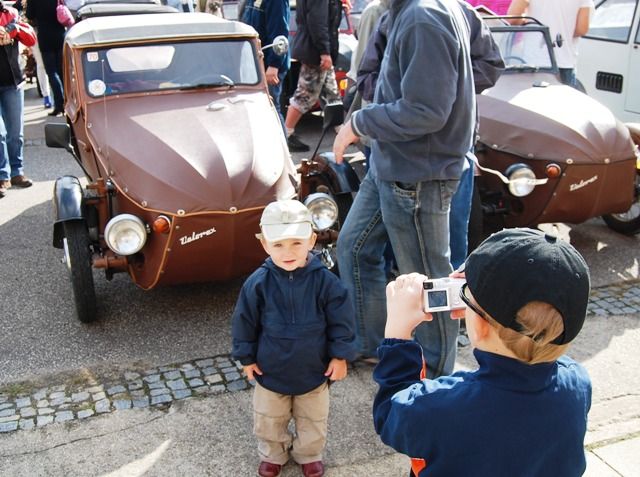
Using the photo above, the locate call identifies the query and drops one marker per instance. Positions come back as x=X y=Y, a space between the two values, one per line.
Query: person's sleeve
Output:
x=277 y=18
x=429 y=58
x=400 y=407
x=25 y=34
x=318 y=25
x=341 y=325
x=486 y=60
x=369 y=68
x=245 y=325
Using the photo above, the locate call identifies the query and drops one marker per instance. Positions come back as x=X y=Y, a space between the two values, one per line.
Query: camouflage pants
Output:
x=311 y=83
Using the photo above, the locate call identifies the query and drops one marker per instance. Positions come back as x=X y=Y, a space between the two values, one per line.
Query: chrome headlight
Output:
x=125 y=234
x=522 y=180
x=324 y=210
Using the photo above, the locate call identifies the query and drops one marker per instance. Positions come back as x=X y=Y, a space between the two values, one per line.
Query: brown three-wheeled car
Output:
x=170 y=119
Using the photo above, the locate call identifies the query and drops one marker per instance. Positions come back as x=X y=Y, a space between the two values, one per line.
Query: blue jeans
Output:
x=459 y=217
x=11 y=131
x=415 y=219
x=53 y=65
x=275 y=91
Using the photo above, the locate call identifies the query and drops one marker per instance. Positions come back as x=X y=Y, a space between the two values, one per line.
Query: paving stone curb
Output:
x=152 y=388
x=160 y=387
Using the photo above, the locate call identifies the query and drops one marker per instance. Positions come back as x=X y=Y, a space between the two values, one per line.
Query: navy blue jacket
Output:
x=508 y=418
x=270 y=18
x=292 y=324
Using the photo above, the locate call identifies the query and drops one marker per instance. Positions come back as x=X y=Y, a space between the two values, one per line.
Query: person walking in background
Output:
x=316 y=48
x=12 y=32
x=567 y=18
x=42 y=14
x=270 y=18
x=420 y=136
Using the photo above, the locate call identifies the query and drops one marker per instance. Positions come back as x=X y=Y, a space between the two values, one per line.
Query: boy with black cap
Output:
x=293 y=331
x=524 y=411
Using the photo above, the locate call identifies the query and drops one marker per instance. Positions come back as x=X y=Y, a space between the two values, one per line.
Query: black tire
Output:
x=627 y=223
x=78 y=256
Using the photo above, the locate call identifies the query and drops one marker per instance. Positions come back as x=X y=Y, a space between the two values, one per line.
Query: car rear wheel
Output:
x=78 y=259
x=628 y=222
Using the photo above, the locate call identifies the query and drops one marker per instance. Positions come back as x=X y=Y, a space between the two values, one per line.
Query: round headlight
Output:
x=125 y=234
x=522 y=180
x=324 y=210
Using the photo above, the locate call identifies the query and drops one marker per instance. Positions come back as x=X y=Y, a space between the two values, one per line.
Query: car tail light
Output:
x=553 y=170
x=162 y=225
x=343 y=84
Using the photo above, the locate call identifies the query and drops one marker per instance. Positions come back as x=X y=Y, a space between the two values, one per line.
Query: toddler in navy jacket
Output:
x=293 y=331
x=524 y=411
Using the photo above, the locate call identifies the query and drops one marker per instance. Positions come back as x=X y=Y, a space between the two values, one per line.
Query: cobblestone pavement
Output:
x=159 y=387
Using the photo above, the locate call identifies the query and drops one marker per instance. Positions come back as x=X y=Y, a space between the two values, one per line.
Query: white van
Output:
x=609 y=58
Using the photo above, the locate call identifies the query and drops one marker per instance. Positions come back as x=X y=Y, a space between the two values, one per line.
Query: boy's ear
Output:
x=483 y=328
x=312 y=240
x=264 y=244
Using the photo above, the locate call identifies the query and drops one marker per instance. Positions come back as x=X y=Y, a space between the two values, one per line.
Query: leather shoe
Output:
x=56 y=112
x=4 y=185
x=21 y=181
x=267 y=469
x=313 y=469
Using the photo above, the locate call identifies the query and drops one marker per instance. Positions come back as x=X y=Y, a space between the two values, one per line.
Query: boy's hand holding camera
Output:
x=405 y=305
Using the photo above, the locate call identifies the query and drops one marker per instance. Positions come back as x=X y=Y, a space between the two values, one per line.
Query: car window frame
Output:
x=614 y=40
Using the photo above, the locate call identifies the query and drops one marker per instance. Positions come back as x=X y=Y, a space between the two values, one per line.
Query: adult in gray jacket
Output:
x=421 y=122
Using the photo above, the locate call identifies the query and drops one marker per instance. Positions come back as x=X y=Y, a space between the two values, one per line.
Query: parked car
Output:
x=609 y=57
x=170 y=119
x=547 y=152
x=347 y=45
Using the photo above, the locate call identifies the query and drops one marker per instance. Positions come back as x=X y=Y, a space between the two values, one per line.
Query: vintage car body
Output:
x=547 y=152
x=609 y=58
x=183 y=155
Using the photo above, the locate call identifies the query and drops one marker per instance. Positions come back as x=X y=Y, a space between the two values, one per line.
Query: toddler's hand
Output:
x=250 y=370
x=404 y=306
x=337 y=369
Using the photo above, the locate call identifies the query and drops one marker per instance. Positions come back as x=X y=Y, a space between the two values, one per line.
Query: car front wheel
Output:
x=78 y=259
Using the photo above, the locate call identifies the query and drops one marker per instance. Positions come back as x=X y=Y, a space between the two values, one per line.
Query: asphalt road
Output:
x=40 y=334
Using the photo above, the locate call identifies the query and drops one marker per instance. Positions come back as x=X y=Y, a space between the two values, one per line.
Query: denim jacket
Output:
x=292 y=324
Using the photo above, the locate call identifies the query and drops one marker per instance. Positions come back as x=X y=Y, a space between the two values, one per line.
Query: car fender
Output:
x=345 y=178
x=67 y=205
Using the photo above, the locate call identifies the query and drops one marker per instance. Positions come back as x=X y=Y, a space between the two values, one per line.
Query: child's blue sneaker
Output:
x=47 y=102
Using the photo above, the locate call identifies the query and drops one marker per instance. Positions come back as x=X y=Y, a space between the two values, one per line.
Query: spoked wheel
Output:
x=628 y=222
x=78 y=259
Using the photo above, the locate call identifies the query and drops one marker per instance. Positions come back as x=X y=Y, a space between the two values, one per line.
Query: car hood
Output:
x=549 y=121
x=193 y=151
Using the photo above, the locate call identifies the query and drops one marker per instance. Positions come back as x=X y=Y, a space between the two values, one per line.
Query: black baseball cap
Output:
x=514 y=267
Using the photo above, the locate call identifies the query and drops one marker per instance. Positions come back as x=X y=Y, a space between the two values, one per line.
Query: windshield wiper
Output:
x=224 y=81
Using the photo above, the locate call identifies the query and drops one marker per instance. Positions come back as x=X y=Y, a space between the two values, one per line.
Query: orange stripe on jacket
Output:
x=418 y=465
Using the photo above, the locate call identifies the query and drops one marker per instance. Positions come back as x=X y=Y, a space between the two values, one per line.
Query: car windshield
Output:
x=179 y=65
x=523 y=49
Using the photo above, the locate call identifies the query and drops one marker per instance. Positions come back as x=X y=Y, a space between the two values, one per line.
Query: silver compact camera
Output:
x=442 y=294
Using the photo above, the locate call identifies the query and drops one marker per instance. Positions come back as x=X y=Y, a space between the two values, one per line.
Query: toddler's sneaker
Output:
x=47 y=102
x=267 y=469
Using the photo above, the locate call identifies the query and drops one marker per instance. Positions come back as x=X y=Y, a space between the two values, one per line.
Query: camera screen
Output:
x=437 y=298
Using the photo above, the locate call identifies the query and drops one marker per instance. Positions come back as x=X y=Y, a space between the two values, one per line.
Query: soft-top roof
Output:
x=124 y=28
x=108 y=9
